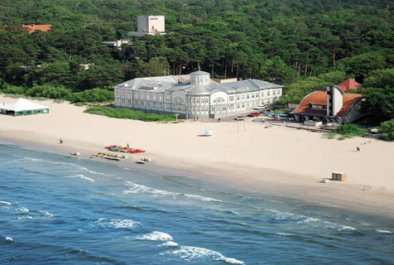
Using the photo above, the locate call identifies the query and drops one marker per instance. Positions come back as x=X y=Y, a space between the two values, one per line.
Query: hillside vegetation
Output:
x=304 y=45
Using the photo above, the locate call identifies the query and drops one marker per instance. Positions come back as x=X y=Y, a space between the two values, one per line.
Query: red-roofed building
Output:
x=348 y=85
x=332 y=105
x=33 y=28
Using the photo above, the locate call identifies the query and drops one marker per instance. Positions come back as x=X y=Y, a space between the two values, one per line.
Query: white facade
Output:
x=334 y=100
x=149 y=25
x=201 y=97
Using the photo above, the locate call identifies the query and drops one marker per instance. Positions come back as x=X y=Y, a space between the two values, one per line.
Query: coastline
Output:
x=238 y=158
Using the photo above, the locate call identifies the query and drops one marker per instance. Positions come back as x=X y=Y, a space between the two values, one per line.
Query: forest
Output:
x=303 y=45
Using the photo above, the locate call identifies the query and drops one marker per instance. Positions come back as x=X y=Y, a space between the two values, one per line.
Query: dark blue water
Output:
x=59 y=210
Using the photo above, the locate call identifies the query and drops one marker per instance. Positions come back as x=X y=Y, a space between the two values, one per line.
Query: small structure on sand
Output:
x=23 y=107
x=339 y=176
x=207 y=132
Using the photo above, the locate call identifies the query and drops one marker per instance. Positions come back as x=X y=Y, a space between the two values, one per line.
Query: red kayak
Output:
x=124 y=149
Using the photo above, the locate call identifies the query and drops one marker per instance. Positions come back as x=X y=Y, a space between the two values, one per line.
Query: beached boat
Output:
x=108 y=156
x=207 y=132
x=124 y=149
x=144 y=160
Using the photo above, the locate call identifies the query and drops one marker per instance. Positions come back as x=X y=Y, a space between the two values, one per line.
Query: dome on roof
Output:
x=200 y=78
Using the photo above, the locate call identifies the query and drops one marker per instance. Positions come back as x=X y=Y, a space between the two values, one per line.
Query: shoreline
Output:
x=359 y=198
x=277 y=161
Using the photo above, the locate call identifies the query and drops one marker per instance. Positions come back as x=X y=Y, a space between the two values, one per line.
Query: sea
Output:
x=60 y=210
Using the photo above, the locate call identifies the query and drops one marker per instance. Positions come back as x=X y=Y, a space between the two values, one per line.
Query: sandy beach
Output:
x=276 y=160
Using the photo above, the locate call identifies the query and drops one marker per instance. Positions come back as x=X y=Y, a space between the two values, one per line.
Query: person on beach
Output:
x=357 y=148
x=60 y=141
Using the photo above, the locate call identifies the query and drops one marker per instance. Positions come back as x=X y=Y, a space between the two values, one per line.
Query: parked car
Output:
x=254 y=114
x=239 y=118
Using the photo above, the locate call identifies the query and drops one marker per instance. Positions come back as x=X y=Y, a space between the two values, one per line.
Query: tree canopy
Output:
x=303 y=45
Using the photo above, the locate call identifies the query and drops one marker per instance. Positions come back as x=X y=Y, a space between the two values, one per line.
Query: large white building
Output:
x=195 y=95
x=149 y=25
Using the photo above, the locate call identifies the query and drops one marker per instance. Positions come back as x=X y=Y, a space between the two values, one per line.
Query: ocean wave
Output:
x=59 y=163
x=316 y=222
x=310 y=221
x=170 y=244
x=156 y=236
x=383 y=231
x=285 y=234
x=138 y=188
x=25 y=217
x=5 y=203
x=8 y=239
x=201 y=198
x=47 y=214
x=23 y=209
x=82 y=176
x=118 y=223
x=189 y=253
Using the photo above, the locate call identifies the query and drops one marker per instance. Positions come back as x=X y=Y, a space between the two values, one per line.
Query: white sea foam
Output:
x=23 y=209
x=8 y=239
x=156 y=236
x=310 y=221
x=82 y=176
x=5 y=203
x=118 y=223
x=201 y=198
x=67 y=165
x=47 y=214
x=383 y=231
x=316 y=222
x=138 y=188
x=25 y=217
x=170 y=244
x=189 y=253
x=285 y=234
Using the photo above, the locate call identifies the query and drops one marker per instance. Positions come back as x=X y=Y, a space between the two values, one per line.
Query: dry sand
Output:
x=275 y=160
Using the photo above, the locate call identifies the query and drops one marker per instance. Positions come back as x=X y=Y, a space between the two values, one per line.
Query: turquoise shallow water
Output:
x=58 y=210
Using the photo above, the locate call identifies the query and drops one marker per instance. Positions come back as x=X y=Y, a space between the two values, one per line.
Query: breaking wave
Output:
x=59 y=163
x=310 y=221
x=47 y=214
x=118 y=223
x=189 y=253
x=8 y=239
x=138 y=188
x=5 y=203
x=82 y=176
x=156 y=236
x=170 y=244
x=383 y=231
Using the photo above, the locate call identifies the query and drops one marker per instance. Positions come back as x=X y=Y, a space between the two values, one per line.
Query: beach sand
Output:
x=246 y=155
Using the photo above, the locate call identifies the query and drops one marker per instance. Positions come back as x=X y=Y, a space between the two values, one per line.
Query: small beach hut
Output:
x=22 y=107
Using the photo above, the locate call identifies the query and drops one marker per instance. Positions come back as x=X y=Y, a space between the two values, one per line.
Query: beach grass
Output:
x=124 y=113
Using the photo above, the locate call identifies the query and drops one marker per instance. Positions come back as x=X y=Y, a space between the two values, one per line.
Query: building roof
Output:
x=348 y=85
x=33 y=27
x=197 y=83
x=320 y=98
x=248 y=85
x=22 y=105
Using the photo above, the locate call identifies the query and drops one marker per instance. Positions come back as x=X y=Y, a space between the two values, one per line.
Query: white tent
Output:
x=23 y=107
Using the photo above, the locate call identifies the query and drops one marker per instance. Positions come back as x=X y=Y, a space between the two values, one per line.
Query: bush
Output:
x=92 y=95
x=350 y=130
x=49 y=91
x=17 y=90
x=124 y=113
x=387 y=130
